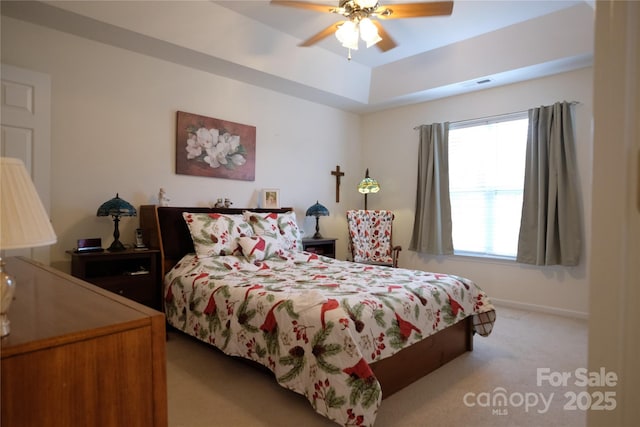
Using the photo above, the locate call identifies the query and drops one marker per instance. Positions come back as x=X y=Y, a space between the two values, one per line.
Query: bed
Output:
x=344 y=335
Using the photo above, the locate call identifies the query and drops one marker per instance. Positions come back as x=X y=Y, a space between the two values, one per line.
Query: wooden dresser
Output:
x=79 y=355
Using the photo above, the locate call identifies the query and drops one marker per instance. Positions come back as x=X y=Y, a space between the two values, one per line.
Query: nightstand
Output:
x=132 y=273
x=325 y=246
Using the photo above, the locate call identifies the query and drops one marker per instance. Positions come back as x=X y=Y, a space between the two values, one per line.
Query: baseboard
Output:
x=540 y=308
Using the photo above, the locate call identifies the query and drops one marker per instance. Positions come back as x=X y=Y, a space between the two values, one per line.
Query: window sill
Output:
x=488 y=257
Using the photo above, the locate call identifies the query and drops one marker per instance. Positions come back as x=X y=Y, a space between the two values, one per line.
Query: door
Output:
x=614 y=275
x=26 y=133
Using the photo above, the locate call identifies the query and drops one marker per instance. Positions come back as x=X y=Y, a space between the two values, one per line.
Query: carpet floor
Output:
x=519 y=361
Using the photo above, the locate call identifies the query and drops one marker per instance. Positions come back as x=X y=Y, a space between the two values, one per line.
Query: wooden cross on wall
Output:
x=337 y=174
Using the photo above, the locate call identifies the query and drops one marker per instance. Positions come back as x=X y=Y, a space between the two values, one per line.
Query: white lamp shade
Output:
x=24 y=222
x=366 y=3
x=347 y=33
x=369 y=32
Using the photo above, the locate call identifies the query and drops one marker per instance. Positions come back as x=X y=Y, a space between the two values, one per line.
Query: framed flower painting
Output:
x=215 y=148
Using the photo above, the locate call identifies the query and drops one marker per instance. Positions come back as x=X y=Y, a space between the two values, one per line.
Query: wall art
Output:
x=215 y=148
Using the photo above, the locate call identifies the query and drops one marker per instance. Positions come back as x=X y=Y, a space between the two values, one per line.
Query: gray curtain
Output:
x=550 y=228
x=432 y=223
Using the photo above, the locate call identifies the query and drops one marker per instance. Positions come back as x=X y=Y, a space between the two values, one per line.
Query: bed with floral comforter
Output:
x=315 y=322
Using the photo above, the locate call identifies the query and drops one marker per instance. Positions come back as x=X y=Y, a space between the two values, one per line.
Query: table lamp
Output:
x=24 y=223
x=317 y=210
x=116 y=207
x=368 y=185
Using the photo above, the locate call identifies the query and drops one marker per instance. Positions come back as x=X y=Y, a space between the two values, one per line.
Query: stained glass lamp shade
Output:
x=368 y=185
x=317 y=210
x=116 y=208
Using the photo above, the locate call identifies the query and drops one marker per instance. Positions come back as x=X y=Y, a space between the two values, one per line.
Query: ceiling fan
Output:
x=358 y=22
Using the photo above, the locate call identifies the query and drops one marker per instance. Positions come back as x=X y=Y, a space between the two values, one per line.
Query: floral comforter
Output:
x=316 y=322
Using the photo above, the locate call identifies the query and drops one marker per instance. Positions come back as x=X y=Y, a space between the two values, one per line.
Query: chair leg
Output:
x=396 y=254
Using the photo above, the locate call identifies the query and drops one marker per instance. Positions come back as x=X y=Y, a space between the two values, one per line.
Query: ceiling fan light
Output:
x=369 y=32
x=347 y=34
x=351 y=44
x=366 y=3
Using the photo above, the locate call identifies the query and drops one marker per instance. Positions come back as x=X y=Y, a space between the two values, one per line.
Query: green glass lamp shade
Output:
x=317 y=210
x=368 y=185
x=116 y=208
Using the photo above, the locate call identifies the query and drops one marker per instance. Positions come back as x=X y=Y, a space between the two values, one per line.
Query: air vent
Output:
x=481 y=82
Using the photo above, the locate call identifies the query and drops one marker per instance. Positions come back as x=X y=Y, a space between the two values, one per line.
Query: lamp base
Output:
x=116 y=246
x=7 y=290
x=5 y=326
x=317 y=235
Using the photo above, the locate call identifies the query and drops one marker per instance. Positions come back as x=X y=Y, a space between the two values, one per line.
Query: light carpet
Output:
x=207 y=388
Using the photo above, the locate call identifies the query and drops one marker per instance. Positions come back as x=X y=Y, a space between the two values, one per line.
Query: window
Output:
x=486 y=179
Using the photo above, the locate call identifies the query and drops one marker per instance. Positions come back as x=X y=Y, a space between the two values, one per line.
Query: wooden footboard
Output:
x=413 y=363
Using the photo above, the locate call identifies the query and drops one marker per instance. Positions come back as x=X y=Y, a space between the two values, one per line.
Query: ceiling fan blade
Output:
x=305 y=5
x=415 y=10
x=321 y=35
x=387 y=42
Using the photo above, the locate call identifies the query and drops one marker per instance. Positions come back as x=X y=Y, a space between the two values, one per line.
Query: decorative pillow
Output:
x=258 y=248
x=216 y=234
x=283 y=226
x=263 y=223
x=290 y=231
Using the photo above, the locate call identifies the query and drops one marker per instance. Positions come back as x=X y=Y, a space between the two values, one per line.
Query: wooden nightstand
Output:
x=325 y=246
x=132 y=273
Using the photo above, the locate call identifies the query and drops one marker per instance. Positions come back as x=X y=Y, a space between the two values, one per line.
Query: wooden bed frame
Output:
x=164 y=228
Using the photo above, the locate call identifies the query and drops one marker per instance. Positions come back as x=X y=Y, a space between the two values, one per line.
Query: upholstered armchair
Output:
x=370 y=237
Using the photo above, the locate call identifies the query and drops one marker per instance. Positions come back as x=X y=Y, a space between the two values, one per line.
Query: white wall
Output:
x=114 y=112
x=114 y=127
x=390 y=147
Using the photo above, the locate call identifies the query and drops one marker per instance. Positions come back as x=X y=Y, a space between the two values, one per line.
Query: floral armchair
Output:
x=370 y=237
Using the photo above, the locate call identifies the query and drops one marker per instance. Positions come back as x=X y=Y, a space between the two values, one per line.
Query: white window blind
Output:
x=486 y=178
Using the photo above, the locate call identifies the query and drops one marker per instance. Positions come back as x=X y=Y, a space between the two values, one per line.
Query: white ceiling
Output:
x=470 y=18
x=500 y=42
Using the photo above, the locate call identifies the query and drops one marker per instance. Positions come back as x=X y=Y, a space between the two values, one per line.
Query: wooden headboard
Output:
x=164 y=228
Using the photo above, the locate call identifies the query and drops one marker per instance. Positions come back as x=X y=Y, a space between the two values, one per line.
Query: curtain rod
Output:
x=497 y=115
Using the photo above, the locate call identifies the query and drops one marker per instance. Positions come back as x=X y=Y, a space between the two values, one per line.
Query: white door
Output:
x=26 y=133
